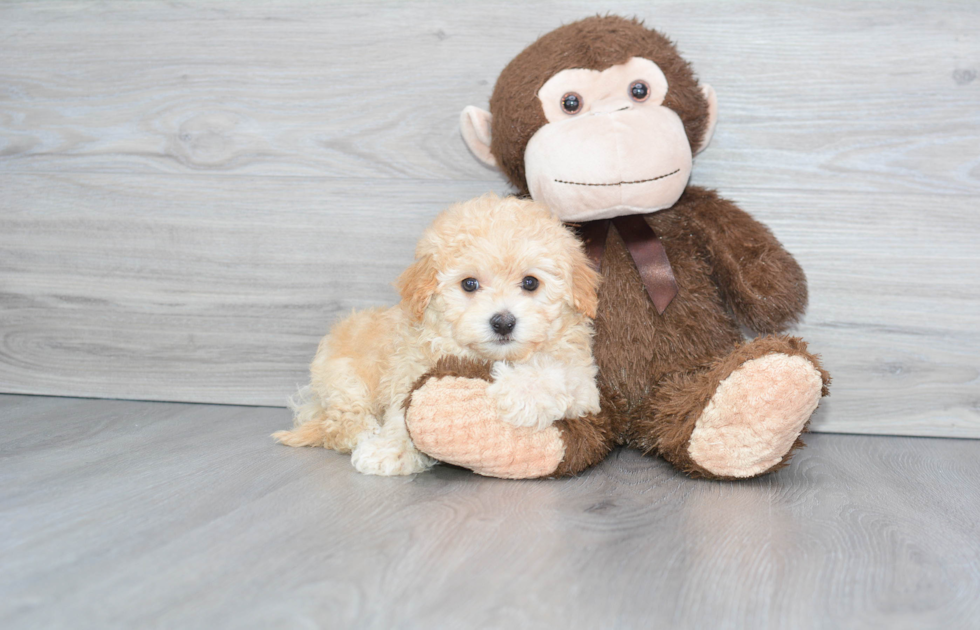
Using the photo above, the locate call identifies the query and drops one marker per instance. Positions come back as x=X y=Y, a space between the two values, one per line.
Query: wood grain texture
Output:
x=827 y=95
x=208 y=289
x=190 y=194
x=125 y=514
x=136 y=288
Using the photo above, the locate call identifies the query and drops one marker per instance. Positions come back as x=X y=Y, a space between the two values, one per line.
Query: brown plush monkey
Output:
x=600 y=119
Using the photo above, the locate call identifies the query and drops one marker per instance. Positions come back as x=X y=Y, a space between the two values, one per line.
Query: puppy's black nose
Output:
x=503 y=323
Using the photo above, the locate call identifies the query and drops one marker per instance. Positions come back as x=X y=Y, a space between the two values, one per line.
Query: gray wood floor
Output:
x=169 y=515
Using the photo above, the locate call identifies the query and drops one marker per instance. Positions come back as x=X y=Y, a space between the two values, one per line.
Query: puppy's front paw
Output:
x=380 y=455
x=528 y=398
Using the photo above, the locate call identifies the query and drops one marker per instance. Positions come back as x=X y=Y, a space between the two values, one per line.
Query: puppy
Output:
x=499 y=280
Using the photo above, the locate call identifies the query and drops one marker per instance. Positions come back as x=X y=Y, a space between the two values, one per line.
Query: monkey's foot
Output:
x=454 y=420
x=755 y=415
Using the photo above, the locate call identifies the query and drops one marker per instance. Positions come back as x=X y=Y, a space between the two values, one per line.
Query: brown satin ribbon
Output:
x=644 y=246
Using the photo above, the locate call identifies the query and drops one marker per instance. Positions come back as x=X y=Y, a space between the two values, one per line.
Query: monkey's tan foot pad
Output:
x=453 y=420
x=755 y=415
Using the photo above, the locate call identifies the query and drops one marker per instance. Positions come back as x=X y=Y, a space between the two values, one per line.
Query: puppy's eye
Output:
x=639 y=90
x=470 y=285
x=571 y=103
x=529 y=283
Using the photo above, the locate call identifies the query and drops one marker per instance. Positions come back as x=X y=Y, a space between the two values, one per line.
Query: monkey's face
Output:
x=610 y=147
x=590 y=138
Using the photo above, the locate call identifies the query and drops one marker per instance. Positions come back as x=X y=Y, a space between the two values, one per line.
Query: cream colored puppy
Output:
x=494 y=279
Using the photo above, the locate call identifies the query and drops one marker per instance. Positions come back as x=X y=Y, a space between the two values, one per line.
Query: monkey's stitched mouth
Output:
x=639 y=181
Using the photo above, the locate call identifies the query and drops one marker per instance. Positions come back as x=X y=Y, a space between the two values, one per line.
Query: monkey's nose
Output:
x=610 y=105
x=503 y=323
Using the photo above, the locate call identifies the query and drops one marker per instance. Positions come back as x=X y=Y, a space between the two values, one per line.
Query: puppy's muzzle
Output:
x=503 y=323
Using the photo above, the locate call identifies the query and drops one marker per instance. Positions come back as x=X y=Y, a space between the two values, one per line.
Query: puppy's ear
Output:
x=417 y=284
x=585 y=285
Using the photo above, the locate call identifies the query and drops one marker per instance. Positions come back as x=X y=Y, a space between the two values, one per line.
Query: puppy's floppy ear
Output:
x=585 y=285
x=417 y=284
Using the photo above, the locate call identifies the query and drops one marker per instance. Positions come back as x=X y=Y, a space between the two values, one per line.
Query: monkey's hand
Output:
x=451 y=417
x=761 y=281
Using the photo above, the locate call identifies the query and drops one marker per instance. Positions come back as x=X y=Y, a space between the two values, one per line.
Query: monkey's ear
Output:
x=417 y=284
x=709 y=129
x=474 y=124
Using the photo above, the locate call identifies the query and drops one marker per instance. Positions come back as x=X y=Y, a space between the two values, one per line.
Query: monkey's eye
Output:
x=639 y=90
x=470 y=285
x=571 y=103
x=529 y=283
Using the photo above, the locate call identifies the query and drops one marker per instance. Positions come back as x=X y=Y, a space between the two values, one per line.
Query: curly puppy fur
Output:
x=542 y=369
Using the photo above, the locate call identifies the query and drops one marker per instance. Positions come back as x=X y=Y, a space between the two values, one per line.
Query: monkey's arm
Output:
x=450 y=417
x=761 y=282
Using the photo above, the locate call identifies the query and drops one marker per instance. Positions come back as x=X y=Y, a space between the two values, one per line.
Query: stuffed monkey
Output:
x=600 y=120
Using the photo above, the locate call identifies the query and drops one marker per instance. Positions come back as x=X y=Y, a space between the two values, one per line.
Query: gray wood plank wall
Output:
x=190 y=194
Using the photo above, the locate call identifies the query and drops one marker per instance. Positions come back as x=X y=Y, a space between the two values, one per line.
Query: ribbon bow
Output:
x=645 y=248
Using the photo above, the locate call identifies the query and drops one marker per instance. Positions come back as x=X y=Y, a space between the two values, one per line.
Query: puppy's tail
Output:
x=308 y=414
